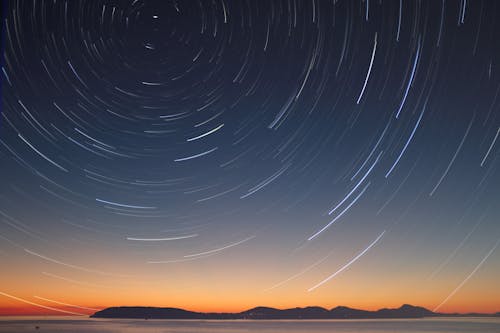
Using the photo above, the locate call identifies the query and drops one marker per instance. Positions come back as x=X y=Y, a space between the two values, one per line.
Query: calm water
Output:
x=72 y=325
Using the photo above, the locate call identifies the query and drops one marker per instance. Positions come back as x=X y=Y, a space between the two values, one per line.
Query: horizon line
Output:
x=53 y=314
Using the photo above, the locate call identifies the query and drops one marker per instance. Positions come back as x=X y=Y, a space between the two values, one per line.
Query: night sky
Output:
x=218 y=155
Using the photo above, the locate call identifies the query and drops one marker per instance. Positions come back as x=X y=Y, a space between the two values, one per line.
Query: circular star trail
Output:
x=298 y=140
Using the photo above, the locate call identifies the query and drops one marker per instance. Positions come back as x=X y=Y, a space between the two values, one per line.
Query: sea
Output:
x=84 y=325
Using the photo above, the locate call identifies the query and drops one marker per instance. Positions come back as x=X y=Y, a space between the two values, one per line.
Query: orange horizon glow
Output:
x=214 y=285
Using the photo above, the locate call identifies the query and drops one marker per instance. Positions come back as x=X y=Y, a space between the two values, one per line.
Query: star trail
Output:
x=221 y=154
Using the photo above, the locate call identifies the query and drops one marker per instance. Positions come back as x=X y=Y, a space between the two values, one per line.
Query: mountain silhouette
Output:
x=312 y=312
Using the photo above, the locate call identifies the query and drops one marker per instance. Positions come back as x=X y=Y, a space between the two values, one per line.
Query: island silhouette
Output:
x=311 y=312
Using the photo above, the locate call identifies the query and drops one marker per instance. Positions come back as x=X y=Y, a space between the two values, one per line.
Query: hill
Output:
x=312 y=312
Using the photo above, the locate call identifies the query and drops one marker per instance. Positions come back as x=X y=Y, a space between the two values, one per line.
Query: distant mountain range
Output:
x=312 y=312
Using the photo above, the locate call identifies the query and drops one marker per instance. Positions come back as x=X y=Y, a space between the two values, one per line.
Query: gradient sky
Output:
x=219 y=155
